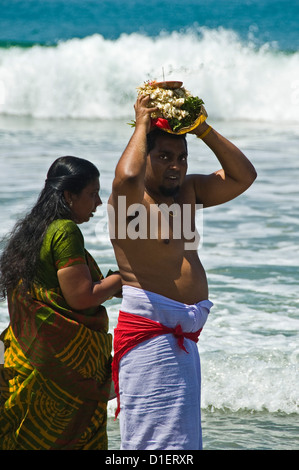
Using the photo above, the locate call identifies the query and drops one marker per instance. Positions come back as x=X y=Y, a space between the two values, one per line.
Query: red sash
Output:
x=133 y=329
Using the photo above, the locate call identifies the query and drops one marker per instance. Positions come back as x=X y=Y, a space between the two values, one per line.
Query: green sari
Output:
x=56 y=378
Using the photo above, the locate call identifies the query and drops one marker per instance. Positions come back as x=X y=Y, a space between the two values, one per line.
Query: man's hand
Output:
x=143 y=113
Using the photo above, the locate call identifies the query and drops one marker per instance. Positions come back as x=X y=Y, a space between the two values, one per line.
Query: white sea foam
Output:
x=97 y=78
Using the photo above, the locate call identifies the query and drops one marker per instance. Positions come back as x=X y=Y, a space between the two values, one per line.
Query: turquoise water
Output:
x=48 y=21
x=71 y=91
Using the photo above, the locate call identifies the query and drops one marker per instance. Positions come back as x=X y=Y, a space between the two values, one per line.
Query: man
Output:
x=165 y=293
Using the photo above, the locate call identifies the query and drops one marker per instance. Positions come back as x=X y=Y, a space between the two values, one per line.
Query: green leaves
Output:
x=192 y=105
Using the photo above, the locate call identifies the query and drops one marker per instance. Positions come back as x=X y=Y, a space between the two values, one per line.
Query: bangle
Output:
x=205 y=133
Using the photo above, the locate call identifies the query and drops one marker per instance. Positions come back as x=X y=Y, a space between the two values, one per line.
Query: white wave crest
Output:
x=96 y=78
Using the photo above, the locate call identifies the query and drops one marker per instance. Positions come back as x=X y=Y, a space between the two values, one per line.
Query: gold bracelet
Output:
x=205 y=133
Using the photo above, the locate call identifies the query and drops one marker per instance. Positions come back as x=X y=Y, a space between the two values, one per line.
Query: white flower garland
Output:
x=169 y=102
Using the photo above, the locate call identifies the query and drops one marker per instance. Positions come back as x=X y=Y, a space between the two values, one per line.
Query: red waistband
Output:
x=133 y=329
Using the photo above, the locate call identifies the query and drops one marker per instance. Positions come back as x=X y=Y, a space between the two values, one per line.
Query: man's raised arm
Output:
x=236 y=175
x=130 y=170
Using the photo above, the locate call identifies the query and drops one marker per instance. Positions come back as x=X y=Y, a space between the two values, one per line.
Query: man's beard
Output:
x=169 y=192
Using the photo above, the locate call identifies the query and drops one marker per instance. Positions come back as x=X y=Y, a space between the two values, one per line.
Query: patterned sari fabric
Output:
x=56 y=378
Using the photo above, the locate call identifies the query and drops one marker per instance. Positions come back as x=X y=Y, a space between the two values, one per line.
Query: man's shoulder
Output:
x=191 y=182
x=190 y=191
x=193 y=177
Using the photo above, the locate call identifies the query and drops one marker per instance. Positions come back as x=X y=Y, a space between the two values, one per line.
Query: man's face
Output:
x=166 y=166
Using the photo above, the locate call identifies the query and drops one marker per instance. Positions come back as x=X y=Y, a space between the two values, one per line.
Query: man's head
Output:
x=166 y=162
x=157 y=133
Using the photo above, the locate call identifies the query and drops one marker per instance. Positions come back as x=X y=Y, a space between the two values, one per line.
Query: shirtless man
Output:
x=164 y=280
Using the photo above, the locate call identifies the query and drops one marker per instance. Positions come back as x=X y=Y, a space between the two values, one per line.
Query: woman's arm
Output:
x=81 y=292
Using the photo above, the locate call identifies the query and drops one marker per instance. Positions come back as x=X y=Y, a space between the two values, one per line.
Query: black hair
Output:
x=154 y=134
x=19 y=260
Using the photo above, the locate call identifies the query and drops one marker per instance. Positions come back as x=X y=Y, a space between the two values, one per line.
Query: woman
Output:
x=56 y=378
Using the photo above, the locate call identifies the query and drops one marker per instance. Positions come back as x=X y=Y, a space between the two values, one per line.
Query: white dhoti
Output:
x=159 y=383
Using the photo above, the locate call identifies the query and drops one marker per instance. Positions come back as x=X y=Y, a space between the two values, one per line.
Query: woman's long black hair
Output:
x=19 y=260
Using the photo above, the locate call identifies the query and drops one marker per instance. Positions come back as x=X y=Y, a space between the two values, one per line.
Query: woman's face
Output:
x=83 y=205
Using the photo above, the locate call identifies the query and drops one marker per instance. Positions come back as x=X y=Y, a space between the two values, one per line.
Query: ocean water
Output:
x=68 y=77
